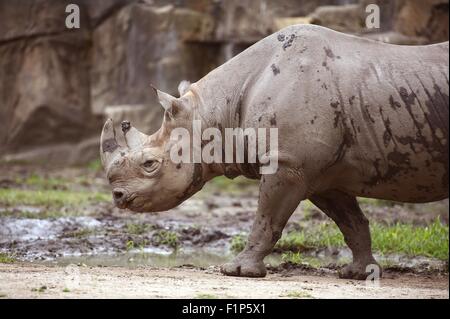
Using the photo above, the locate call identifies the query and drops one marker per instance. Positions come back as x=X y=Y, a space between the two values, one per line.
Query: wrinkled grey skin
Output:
x=355 y=118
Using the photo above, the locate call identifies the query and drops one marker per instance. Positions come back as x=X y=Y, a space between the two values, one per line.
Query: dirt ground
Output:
x=37 y=281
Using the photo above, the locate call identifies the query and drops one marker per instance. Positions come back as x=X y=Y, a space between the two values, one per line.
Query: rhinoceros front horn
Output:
x=109 y=148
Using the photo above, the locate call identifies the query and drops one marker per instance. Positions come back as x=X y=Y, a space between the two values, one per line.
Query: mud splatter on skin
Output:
x=351 y=100
x=334 y=105
x=109 y=145
x=387 y=135
x=289 y=42
x=394 y=104
x=437 y=105
x=275 y=69
x=329 y=53
x=345 y=123
x=399 y=163
x=238 y=114
x=273 y=120
x=275 y=236
x=249 y=170
x=197 y=182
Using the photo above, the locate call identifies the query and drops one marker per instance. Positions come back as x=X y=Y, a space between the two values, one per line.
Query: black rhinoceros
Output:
x=354 y=117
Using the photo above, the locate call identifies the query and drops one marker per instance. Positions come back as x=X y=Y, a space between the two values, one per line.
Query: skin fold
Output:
x=355 y=117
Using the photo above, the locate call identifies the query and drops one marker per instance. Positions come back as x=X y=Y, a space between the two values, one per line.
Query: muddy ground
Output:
x=115 y=253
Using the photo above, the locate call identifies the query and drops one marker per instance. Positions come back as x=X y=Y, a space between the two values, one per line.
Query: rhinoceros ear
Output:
x=168 y=102
x=133 y=137
x=183 y=87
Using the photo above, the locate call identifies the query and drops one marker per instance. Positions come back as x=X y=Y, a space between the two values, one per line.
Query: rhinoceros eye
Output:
x=150 y=165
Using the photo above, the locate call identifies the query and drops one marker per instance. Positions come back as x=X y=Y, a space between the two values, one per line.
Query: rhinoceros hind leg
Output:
x=279 y=195
x=344 y=210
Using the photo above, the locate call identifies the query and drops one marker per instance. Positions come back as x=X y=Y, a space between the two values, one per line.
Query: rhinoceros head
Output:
x=141 y=173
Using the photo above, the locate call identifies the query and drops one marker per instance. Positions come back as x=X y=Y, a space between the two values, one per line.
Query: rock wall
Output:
x=58 y=84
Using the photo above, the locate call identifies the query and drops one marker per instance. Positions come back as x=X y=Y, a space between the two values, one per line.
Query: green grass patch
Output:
x=6 y=258
x=307 y=209
x=238 y=243
x=138 y=229
x=429 y=241
x=95 y=165
x=49 y=198
x=166 y=237
x=319 y=236
x=42 y=182
x=298 y=258
x=66 y=290
x=40 y=289
x=297 y=294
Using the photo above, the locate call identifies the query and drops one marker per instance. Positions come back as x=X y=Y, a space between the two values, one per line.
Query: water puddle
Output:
x=155 y=258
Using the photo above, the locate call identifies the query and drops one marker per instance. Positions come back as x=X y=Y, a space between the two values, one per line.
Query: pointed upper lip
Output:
x=126 y=203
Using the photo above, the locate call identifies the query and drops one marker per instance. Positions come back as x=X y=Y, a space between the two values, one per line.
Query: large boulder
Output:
x=423 y=18
x=346 y=18
x=151 y=45
x=44 y=77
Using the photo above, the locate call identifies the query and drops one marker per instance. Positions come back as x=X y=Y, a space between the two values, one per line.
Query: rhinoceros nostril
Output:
x=118 y=195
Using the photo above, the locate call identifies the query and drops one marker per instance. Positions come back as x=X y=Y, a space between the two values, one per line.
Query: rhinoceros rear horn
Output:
x=133 y=137
x=109 y=148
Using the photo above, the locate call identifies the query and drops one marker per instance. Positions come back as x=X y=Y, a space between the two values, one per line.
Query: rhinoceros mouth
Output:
x=134 y=204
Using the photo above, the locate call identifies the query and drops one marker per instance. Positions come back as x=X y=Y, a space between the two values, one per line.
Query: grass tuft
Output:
x=166 y=237
x=429 y=241
x=138 y=229
x=6 y=258
x=297 y=294
x=43 y=183
x=238 y=243
x=49 y=198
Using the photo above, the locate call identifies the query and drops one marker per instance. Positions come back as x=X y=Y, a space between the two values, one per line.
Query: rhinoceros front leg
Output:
x=279 y=195
x=344 y=210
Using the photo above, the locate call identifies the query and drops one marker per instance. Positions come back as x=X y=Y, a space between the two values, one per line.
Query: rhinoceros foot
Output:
x=359 y=271
x=244 y=268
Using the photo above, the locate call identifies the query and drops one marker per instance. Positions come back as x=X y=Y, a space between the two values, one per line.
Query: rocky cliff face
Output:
x=57 y=84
